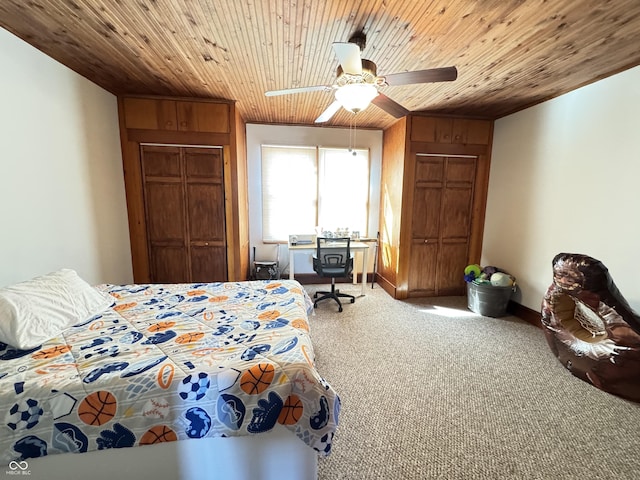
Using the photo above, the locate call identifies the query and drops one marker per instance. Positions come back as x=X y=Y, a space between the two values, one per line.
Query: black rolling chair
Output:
x=333 y=259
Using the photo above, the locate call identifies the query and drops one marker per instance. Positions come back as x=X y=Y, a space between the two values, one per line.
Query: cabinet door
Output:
x=450 y=130
x=150 y=114
x=469 y=131
x=203 y=117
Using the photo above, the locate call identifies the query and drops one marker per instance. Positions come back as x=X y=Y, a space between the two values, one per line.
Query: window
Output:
x=305 y=187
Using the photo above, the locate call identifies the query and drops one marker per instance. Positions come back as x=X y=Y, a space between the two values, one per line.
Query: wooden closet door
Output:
x=440 y=224
x=425 y=225
x=455 y=224
x=205 y=214
x=184 y=209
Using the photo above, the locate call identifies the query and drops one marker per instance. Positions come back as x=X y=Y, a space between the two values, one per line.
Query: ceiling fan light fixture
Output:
x=356 y=97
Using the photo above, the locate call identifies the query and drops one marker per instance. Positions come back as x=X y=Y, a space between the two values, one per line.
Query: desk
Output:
x=355 y=247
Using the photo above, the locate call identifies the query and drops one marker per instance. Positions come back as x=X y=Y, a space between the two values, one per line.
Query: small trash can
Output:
x=487 y=299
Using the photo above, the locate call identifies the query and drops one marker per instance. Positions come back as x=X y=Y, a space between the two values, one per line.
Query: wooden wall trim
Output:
x=448 y=148
x=406 y=215
x=228 y=213
x=388 y=287
x=525 y=313
x=135 y=205
x=178 y=138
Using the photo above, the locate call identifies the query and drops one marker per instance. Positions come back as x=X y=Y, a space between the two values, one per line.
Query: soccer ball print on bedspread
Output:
x=166 y=363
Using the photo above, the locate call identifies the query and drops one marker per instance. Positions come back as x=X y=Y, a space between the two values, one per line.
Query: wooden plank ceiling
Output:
x=510 y=54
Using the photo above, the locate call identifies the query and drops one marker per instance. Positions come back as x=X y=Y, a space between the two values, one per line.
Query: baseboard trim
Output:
x=525 y=313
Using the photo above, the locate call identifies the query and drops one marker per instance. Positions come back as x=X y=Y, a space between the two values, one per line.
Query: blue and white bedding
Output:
x=166 y=363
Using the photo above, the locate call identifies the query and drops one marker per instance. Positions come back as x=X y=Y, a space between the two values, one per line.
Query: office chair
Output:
x=333 y=259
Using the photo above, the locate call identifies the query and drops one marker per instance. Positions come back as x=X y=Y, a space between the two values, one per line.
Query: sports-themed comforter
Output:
x=166 y=363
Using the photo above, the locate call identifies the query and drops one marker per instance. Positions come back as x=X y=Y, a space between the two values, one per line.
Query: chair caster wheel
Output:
x=340 y=309
x=315 y=305
x=353 y=300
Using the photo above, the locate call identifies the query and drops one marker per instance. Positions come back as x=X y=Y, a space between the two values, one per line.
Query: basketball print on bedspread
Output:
x=291 y=411
x=158 y=434
x=51 y=352
x=257 y=378
x=97 y=408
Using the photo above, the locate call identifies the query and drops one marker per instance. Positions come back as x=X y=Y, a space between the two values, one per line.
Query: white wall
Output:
x=62 y=199
x=565 y=177
x=258 y=135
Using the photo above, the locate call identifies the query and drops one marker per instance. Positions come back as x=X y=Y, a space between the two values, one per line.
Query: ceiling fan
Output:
x=357 y=84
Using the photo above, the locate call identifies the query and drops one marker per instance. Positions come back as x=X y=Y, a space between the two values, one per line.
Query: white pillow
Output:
x=39 y=309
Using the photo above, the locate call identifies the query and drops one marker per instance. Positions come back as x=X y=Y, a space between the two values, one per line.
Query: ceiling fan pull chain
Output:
x=355 y=130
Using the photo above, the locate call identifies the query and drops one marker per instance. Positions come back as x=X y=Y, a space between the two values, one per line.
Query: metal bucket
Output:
x=488 y=300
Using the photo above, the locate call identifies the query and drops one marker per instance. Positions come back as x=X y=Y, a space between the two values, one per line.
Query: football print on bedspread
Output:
x=194 y=387
x=24 y=415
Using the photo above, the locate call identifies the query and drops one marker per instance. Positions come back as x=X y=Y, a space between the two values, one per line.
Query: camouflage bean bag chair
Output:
x=591 y=328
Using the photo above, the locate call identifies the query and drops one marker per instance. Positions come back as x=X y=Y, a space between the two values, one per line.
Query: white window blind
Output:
x=289 y=191
x=343 y=189
x=305 y=187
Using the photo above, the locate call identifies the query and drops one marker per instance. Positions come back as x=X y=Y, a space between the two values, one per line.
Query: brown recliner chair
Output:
x=590 y=327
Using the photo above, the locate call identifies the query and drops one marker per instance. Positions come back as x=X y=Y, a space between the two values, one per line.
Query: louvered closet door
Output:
x=184 y=210
x=441 y=224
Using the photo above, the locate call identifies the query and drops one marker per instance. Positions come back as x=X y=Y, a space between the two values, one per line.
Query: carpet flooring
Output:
x=431 y=390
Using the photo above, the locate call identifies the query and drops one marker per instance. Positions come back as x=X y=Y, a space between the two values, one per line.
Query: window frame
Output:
x=318 y=179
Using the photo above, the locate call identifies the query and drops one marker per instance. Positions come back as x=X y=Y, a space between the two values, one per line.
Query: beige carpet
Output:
x=430 y=390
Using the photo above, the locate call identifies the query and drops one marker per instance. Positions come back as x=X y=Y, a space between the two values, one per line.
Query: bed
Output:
x=211 y=380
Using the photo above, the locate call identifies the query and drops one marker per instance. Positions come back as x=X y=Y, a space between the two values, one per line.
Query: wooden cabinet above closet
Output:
x=175 y=132
x=184 y=116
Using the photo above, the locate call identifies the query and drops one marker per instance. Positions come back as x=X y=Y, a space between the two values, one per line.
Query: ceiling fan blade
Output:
x=445 y=74
x=315 y=88
x=390 y=106
x=329 y=112
x=349 y=57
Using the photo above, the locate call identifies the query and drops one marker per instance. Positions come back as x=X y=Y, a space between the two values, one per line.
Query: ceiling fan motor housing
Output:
x=369 y=71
